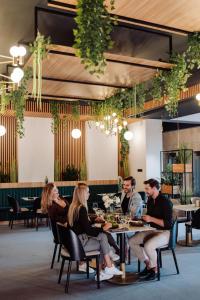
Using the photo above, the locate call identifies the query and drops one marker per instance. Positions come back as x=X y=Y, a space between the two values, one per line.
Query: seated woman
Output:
x=57 y=209
x=53 y=204
x=91 y=238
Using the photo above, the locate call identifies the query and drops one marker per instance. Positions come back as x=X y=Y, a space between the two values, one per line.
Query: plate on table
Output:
x=136 y=223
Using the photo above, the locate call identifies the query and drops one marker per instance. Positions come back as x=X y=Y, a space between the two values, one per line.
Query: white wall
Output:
x=36 y=151
x=101 y=154
x=145 y=150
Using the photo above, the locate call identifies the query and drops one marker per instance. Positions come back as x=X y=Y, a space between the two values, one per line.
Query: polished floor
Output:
x=25 y=272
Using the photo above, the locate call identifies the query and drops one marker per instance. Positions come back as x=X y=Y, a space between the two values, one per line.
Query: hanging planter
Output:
x=92 y=36
x=39 y=49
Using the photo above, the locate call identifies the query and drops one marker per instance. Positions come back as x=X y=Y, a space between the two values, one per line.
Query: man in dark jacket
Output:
x=159 y=216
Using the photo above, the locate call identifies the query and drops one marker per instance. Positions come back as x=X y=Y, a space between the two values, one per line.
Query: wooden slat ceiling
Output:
x=180 y=14
x=58 y=68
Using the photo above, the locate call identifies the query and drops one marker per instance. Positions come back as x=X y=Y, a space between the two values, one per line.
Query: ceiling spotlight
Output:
x=198 y=97
x=128 y=135
x=2 y=130
x=76 y=133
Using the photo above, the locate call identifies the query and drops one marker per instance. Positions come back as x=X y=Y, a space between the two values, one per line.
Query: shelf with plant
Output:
x=183 y=160
x=92 y=35
x=54 y=107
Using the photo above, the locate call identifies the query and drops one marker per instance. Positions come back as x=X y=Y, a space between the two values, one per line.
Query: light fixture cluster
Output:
x=111 y=124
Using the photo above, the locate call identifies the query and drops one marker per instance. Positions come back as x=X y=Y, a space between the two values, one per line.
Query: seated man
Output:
x=131 y=201
x=159 y=215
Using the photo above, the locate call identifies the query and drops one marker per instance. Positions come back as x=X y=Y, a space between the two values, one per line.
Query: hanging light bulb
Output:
x=17 y=75
x=14 y=51
x=102 y=126
x=76 y=133
x=107 y=132
x=21 y=51
x=114 y=114
x=97 y=124
x=125 y=123
x=116 y=121
x=198 y=97
x=128 y=135
x=2 y=130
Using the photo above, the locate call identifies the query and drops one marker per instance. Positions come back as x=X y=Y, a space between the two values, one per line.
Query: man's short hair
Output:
x=153 y=183
x=133 y=181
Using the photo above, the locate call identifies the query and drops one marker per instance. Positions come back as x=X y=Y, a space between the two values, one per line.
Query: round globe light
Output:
x=21 y=51
x=128 y=135
x=198 y=97
x=114 y=114
x=125 y=123
x=2 y=130
x=14 y=51
x=76 y=133
x=17 y=75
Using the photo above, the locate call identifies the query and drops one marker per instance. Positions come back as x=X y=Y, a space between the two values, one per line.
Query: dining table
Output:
x=122 y=231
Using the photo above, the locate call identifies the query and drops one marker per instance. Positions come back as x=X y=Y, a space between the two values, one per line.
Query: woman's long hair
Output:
x=79 y=199
x=46 y=201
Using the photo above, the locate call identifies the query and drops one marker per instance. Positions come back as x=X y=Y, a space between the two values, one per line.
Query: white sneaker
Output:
x=103 y=276
x=83 y=268
x=112 y=271
x=113 y=255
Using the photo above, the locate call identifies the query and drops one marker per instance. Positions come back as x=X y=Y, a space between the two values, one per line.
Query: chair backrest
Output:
x=194 y=199
x=55 y=232
x=143 y=196
x=71 y=242
x=14 y=204
x=173 y=235
x=37 y=204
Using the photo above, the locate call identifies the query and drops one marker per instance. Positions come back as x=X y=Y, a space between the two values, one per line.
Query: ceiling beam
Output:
x=66 y=98
x=137 y=22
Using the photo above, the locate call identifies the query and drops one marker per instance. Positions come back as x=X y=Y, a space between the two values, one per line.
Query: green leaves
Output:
x=92 y=36
x=55 y=117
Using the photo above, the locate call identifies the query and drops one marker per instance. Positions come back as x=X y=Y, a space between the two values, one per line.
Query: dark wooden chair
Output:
x=72 y=250
x=38 y=213
x=56 y=242
x=171 y=246
x=17 y=212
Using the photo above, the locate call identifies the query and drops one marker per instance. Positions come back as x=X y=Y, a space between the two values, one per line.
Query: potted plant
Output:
x=170 y=183
x=83 y=171
x=71 y=173
x=183 y=164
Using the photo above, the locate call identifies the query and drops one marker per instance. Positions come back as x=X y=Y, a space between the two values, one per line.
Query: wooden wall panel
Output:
x=8 y=143
x=68 y=150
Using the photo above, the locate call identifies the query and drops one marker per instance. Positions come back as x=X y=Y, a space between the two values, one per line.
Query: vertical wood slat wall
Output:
x=68 y=150
x=8 y=143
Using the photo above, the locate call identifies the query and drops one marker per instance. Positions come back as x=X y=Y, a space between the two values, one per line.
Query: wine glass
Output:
x=95 y=206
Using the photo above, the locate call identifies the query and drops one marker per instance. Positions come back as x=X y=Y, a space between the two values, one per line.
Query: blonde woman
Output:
x=51 y=203
x=91 y=238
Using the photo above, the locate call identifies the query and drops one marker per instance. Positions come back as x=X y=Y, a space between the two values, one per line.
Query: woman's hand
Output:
x=147 y=218
x=107 y=226
x=99 y=220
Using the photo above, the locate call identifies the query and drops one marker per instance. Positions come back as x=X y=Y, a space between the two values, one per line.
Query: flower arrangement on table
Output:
x=111 y=201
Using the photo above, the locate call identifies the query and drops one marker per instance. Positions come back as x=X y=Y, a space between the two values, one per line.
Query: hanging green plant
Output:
x=83 y=170
x=76 y=111
x=4 y=98
x=54 y=107
x=39 y=49
x=57 y=170
x=156 y=90
x=13 y=171
x=92 y=36
x=193 y=51
x=124 y=149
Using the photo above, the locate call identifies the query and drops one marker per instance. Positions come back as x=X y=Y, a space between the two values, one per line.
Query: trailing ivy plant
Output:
x=92 y=36
x=39 y=49
x=124 y=149
x=4 y=98
x=54 y=107
x=193 y=51
x=76 y=111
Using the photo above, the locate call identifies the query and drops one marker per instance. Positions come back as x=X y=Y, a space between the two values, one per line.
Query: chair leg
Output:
x=97 y=270
x=11 y=224
x=138 y=266
x=60 y=247
x=61 y=270
x=87 y=268
x=68 y=277
x=54 y=254
x=158 y=263
x=77 y=266
x=36 y=223
x=129 y=255
x=160 y=258
x=175 y=261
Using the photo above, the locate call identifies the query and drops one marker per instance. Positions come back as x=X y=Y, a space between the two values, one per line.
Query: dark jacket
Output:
x=58 y=213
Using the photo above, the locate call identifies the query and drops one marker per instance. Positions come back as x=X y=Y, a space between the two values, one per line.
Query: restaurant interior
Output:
x=98 y=92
